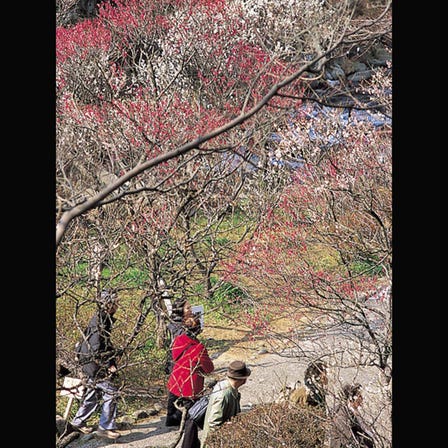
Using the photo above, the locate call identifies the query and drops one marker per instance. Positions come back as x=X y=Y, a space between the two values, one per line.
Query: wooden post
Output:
x=72 y=388
x=68 y=407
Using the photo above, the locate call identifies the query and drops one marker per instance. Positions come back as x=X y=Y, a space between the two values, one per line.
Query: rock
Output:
x=64 y=441
x=60 y=425
x=335 y=72
x=154 y=410
x=126 y=421
x=158 y=407
x=360 y=76
x=140 y=414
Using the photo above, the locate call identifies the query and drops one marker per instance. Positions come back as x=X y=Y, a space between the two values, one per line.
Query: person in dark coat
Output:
x=181 y=311
x=97 y=358
x=349 y=430
x=225 y=399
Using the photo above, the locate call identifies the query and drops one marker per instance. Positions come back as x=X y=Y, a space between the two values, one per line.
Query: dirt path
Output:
x=270 y=372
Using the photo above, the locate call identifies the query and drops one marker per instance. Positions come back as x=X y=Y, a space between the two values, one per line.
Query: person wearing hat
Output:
x=97 y=358
x=224 y=402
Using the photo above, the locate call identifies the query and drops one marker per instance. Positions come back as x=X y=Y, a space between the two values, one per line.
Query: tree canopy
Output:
x=207 y=144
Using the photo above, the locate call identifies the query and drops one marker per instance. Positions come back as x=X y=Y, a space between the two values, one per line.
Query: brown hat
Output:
x=238 y=370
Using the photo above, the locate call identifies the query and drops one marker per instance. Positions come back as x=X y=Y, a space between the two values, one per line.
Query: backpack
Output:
x=198 y=410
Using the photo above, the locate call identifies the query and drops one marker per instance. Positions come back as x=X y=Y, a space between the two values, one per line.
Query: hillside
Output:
x=271 y=371
x=215 y=153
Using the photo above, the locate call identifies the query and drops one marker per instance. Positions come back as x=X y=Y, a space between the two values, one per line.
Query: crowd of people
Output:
x=190 y=363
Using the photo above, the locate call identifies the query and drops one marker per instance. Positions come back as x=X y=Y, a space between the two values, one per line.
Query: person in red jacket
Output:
x=191 y=363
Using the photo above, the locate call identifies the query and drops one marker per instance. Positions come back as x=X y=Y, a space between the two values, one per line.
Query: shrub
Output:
x=271 y=426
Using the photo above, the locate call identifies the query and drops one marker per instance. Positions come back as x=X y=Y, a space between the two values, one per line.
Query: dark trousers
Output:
x=191 y=438
x=173 y=415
